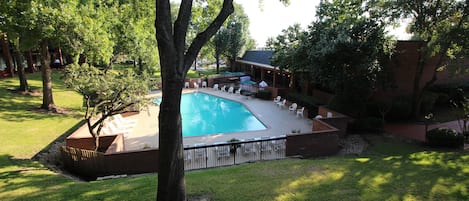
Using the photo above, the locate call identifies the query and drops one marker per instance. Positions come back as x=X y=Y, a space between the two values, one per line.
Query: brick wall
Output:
x=337 y=120
x=312 y=144
x=322 y=141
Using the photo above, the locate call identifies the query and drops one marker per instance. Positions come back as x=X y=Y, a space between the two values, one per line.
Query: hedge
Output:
x=309 y=102
x=444 y=137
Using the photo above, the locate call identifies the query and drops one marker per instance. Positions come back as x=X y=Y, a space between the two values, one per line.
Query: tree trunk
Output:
x=7 y=55
x=140 y=66
x=416 y=91
x=176 y=60
x=47 y=99
x=217 y=59
x=24 y=87
x=171 y=184
x=31 y=66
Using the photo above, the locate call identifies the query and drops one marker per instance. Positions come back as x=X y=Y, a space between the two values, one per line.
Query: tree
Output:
x=220 y=43
x=237 y=30
x=233 y=38
x=442 y=26
x=14 y=23
x=175 y=60
x=41 y=14
x=344 y=48
x=290 y=50
x=105 y=94
x=133 y=37
x=347 y=50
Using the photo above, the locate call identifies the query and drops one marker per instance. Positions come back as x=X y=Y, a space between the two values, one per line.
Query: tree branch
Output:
x=204 y=36
x=163 y=25
x=180 y=28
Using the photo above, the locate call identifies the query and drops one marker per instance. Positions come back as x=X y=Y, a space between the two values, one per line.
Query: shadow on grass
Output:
x=390 y=171
x=60 y=138
x=28 y=180
x=17 y=107
x=406 y=174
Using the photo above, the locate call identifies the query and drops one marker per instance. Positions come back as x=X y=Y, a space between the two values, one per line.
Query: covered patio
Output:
x=256 y=63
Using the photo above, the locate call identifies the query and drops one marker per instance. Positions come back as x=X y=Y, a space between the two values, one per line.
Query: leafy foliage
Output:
x=442 y=27
x=133 y=35
x=105 y=94
x=343 y=50
x=444 y=137
x=288 y=47
x=233 y=38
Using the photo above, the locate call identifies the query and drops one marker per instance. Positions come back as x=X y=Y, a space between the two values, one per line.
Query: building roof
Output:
x=258 y=56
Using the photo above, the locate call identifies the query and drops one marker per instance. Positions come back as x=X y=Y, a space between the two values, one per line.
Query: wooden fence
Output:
x=91 y=164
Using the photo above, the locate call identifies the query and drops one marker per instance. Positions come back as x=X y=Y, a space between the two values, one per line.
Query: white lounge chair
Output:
x=231 y=90
x=281 y=104
x=199 y=154
x=238 y=91
x=249 y=147
x=215 y=87
x=204 y=84
x=222 y=151
x=223 y=89
x=196 y=86
x=121 y=126
x=186 y=84
x=277 y=99
x=292 y=107
x=300 y=112
x=278 y=145
x=266 y=146
x=122 y=120
x=187 y=155
x=111 y=129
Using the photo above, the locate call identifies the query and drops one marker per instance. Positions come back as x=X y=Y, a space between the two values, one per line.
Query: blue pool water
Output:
x=204 y=114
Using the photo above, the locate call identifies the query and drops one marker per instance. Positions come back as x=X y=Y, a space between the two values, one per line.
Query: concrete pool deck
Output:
x=278 y=122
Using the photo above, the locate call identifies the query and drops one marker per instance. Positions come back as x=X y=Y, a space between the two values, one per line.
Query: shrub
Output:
x=368 y=124
x=309 y=102
x=453 y=92
x=444 y=137
x=265 y=95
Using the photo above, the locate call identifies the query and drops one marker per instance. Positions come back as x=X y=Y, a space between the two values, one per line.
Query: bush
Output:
x=368 y=124
x=265 y=95
x=309 y=102
x=444 y=137
x=453 y=92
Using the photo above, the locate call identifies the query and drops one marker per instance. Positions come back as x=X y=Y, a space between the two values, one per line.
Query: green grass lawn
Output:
x=390 y=170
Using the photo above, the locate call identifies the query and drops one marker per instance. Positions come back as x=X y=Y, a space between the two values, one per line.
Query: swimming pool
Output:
x=204 y=114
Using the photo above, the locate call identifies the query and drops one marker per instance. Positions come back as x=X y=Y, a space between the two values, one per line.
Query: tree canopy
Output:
x=106 y=93
x=343 y=50
x=442 y=26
